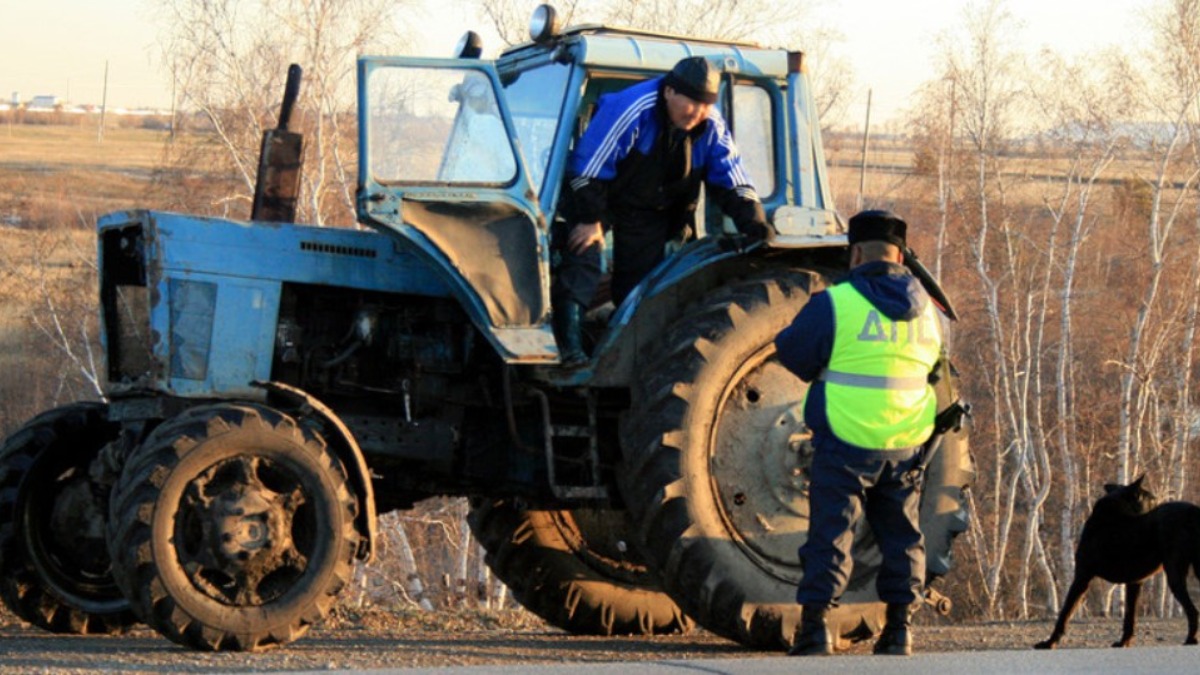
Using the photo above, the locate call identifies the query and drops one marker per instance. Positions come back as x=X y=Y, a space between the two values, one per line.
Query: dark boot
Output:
x=813 y=638
x=896 y=639
x=568 y=330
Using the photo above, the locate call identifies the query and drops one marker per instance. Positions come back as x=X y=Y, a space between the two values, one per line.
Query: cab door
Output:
x=439 y=166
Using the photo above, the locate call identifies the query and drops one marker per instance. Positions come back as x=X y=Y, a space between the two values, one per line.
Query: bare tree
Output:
x=51 y=351
x=229 y=59
x=761 y=21
x=987 y=90
x=1081 y=107
x=1170 y=94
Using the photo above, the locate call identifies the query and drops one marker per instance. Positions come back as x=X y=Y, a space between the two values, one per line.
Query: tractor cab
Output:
x=465 y=158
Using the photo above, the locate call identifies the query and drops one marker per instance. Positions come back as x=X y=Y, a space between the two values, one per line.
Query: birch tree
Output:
x=1081 y=107
x=1170 y=95
x=986 y=82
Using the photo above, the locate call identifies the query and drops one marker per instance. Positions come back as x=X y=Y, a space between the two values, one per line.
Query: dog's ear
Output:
x=1138 y=483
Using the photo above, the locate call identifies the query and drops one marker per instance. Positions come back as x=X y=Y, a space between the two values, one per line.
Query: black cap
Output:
x=878 y=225
x=696 y=78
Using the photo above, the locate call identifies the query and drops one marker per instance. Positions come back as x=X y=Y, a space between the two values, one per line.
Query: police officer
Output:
x=867 y=346
x=637 y=169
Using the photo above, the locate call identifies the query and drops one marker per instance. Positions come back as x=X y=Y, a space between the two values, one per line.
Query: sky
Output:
x=61 y=47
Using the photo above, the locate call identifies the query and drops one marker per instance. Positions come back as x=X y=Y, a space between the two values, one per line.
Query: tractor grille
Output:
x=125 y=300
x=130 y=356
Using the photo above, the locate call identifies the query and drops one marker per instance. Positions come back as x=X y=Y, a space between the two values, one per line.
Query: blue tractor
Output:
x=272 y=387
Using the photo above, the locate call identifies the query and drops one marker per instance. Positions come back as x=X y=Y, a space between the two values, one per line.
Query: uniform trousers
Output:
x=848 y=483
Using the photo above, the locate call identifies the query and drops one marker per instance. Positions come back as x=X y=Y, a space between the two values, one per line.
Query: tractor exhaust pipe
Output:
x=278 y=183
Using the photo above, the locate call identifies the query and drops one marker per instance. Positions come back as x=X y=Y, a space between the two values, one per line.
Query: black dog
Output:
x=1126 y=540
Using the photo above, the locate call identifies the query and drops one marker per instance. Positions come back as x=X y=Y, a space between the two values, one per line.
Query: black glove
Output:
x=739 y=243
x=732 y=243
x=757 y=230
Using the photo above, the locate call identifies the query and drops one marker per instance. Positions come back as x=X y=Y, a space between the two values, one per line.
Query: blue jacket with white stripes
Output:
x=631 y=158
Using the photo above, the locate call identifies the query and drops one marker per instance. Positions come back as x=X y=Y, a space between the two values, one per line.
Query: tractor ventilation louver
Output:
x=338 y=250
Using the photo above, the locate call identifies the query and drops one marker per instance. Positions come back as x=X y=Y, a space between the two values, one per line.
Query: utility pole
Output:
x=103 y=104
x=862 y=167
x=174 y=84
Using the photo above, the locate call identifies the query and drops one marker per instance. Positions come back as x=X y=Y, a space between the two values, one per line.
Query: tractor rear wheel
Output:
x=577 y=569
x=233 y=528
x=55 y=571
x=715 y=475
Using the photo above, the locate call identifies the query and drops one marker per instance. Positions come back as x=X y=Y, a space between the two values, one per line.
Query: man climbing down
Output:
x=637 y=170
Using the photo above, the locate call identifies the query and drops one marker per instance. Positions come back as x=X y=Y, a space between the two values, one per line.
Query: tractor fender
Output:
x=347 y=450
x=681 y=280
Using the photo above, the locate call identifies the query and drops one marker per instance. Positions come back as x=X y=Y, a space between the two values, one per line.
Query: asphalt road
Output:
x=1158 y=660
x=388 y=644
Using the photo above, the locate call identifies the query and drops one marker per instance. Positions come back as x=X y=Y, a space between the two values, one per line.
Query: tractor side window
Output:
x=535 y=99
x=753 y=133
x=437 y=125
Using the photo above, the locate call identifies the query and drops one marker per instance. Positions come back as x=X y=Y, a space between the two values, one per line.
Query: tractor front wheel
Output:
x=233 y=528
x=55 y=571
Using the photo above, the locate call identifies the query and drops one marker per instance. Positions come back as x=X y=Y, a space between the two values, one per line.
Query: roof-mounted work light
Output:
x=470 y=46
x=544 y=24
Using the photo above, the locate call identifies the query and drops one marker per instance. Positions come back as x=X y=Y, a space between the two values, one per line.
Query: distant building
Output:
x=44 y=102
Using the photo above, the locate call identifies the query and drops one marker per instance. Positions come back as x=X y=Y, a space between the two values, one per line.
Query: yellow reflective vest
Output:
x=877 y=391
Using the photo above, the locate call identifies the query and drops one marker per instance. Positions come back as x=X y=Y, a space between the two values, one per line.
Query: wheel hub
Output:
x=250 y=523
x=761 y=454
x=77 y=527
x=238 y=520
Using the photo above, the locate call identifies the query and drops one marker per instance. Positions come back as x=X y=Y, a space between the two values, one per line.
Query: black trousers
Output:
x=639 y=240
x=848 y=484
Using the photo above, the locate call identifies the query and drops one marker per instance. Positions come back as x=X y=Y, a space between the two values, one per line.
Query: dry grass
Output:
x=70 y=147
x=56 y=176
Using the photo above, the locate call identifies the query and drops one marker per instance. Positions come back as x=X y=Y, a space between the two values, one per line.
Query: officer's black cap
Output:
x=696 y=78
x=878 y=225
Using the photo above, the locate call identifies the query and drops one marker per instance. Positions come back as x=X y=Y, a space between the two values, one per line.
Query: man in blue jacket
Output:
x=637 y=170
x=867 y=347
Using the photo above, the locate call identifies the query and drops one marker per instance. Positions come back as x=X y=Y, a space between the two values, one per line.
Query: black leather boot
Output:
x=568 y=330
x=896 y=638
x=813 y=638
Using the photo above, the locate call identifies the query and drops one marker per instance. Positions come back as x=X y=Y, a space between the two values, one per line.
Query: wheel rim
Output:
x=760 y=455
x=65 y=534
x=246 y=524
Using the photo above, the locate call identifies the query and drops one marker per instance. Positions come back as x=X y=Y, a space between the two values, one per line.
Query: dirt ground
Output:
x=379 y=639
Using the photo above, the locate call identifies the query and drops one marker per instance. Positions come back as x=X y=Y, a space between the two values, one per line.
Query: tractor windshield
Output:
x=535 y=99
x=438 y=125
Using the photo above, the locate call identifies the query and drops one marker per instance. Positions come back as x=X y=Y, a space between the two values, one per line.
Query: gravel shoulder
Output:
x=385 y=640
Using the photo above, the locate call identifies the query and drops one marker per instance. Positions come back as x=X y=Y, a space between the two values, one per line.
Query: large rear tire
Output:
x=578 y=569
x=716 y=459
x=55 y=571
x=233 y=528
